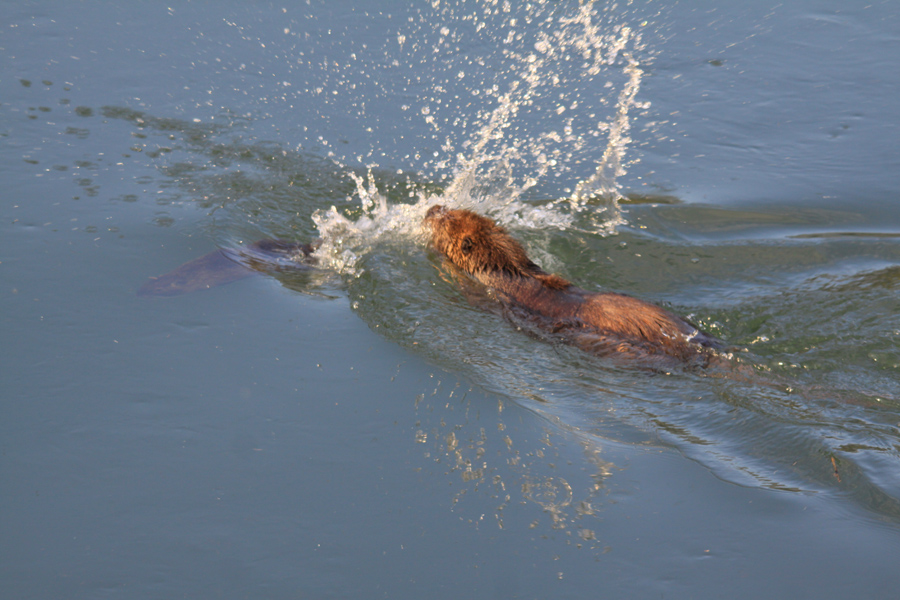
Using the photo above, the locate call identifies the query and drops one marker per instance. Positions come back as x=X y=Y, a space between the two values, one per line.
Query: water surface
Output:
x=361 y=430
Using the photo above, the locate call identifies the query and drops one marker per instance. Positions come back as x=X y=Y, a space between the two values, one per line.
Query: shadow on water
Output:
x=816 y=314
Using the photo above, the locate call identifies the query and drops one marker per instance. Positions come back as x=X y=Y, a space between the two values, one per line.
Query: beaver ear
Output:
x=554 y=282
x=466 y=245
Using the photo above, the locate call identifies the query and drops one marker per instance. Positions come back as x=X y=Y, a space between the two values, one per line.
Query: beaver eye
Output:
x=466 y=245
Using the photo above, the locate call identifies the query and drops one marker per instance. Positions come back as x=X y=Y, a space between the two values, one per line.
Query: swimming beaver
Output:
x=606 y=324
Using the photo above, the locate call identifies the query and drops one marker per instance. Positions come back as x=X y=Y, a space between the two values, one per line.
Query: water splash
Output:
x=345 y=240
x=548 y=126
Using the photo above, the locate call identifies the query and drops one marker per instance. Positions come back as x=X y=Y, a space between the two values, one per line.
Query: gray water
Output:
x=361 y=430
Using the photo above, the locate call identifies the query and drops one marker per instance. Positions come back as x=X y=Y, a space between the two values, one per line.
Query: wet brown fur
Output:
x=606 y=324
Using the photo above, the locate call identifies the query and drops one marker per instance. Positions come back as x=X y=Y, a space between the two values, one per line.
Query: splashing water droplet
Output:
x=537 y=126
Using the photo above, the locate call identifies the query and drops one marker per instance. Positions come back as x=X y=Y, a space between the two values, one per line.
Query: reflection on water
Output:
x=512 y=472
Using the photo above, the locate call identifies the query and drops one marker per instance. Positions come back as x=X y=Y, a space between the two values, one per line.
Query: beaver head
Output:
x=481 y=248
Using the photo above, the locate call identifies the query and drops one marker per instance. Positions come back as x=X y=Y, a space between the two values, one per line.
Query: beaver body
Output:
x=605 y=324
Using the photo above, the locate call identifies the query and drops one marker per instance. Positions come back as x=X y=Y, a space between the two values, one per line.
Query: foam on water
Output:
x=561 y=92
